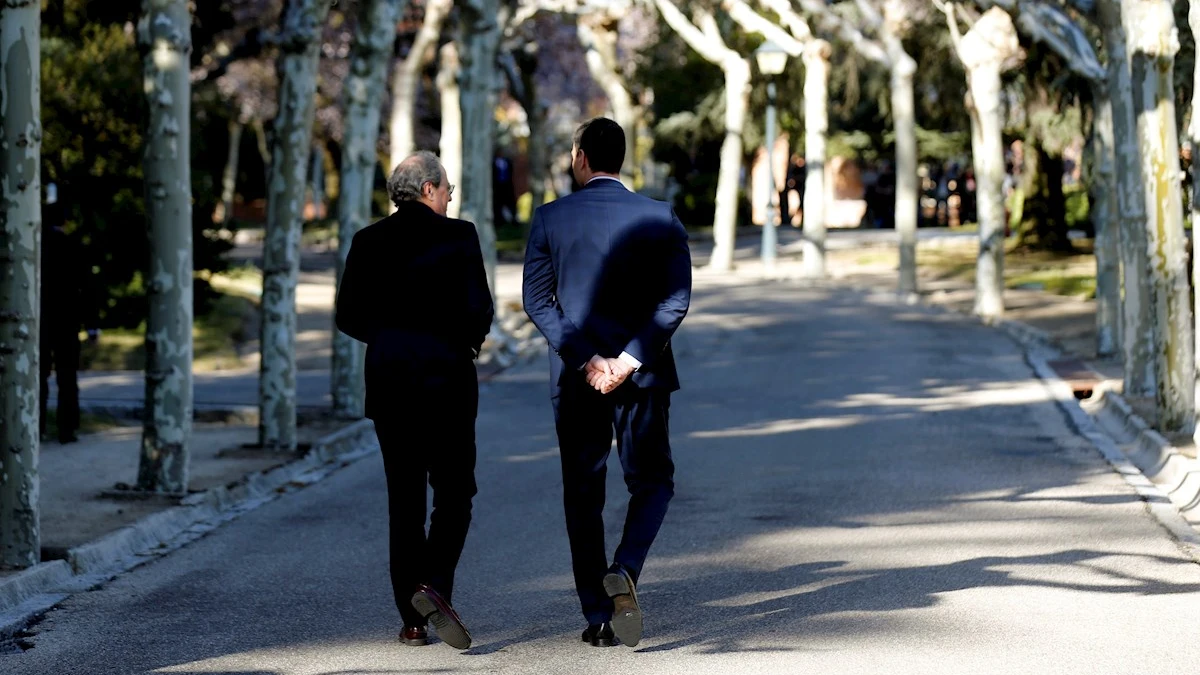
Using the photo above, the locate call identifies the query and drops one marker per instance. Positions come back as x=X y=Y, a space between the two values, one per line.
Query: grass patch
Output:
x=230 y=321
x=1071 y=275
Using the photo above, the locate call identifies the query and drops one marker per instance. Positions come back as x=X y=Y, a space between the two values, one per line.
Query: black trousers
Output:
x=60 y=355
x=586 y=421
x=428 y=439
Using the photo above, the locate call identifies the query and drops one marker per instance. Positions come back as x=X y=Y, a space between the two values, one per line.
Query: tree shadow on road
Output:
x=739 y=610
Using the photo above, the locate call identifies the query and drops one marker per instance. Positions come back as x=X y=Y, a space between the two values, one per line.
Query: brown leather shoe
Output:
x=627 y=613
x=438 y=612
x=415 y=636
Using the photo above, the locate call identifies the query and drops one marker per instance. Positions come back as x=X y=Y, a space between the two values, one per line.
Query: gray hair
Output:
x=412 y=174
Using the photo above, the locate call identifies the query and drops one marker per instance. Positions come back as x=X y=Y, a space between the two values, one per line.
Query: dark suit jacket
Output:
x=415 y=291
x=606 y=271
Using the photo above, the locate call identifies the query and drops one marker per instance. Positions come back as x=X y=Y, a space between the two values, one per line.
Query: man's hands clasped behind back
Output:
x=605 y=375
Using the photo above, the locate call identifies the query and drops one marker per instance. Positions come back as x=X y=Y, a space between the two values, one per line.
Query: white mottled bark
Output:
x=816 y=131
x=450 y=144
x=1194 y=137
x=986 y=51
x=1104 y=210
x=165 y=34
x=363 y=89
x=598 y=35
x=229 y=177
x=300 y=43
x=479 y=45
x=737 y=102
x=1153 y=42
x=904 y=122
x=1138 y=332
x=20 y=281
x=407 y=76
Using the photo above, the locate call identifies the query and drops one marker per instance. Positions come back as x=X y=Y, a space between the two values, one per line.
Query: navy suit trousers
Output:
x=586 y=421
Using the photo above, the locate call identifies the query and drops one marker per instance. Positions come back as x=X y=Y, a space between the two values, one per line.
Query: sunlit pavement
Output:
x=862 y=487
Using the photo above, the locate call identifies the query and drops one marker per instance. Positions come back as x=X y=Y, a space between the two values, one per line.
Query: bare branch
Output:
x=712 y=50
x=848 y=32
x=753 y=22
x=791 y=18
x=870 y=13
x=952 y=23
x=1051 y=26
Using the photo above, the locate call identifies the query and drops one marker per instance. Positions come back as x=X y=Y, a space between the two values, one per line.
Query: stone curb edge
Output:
x=32 y=592
x=1165 y=479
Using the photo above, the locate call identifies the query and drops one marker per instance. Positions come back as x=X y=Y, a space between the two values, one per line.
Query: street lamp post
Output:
x=771 y=61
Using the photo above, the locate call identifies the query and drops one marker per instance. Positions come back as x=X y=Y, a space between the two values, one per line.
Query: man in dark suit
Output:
x=415 y=291
x=68 y=304
x=607 y=281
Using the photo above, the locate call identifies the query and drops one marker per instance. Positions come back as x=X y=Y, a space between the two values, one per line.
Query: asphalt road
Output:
x=861 y=488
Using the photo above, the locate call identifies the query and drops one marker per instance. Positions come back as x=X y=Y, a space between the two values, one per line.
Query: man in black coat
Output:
x=608 y=280
x=67 y=305
x=415 y=291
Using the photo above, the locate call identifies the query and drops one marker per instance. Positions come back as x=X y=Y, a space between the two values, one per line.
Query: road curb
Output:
x=32 y=592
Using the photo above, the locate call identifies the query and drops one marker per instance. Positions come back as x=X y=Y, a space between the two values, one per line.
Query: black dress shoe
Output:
x=627 y=614
x=438 y=612
x=415 y=636
x=599 y=635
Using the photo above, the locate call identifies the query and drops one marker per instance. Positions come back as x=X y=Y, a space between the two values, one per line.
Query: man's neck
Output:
x=599 y=175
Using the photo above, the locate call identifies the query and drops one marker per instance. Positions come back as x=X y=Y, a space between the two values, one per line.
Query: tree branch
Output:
x=753 y=22
x=714 y=52
x=838 y=25
x=1052 y=27
x=790 y=18
x=952 y=23
x=870 y=13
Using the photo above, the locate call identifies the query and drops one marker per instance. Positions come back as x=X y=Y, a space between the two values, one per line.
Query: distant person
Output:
x=504 y=195
x=415 y=291
x=65 y=308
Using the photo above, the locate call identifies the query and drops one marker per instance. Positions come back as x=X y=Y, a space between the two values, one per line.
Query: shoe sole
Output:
x=415 y=643
x=627 y=614
x=450 y=631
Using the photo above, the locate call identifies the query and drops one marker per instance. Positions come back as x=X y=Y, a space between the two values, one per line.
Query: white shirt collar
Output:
x=596 y=178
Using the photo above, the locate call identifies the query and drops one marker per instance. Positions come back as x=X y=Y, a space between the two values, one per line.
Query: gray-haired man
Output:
x=415 y=291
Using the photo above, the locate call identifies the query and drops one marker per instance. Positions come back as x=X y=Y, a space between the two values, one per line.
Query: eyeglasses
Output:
x=449 y=191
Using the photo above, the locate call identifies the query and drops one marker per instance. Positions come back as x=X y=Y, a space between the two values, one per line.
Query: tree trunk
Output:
x=373 y=38
x=988 y=116
x=816 y=130
x=450 y=143
x=20 y=282
x=264 y=146
x=480 y=44
x=1150 y=24
x=598 y=35
x=300 y=43
x=539 y=164
x=229 y=177
x=406 y=78
x=316 y=178
x=737 y=100
x=1194 y=137
x=1138 y=331
x=986 y=51
x=904 y=121
x=165 y=34
x=1103 y=198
